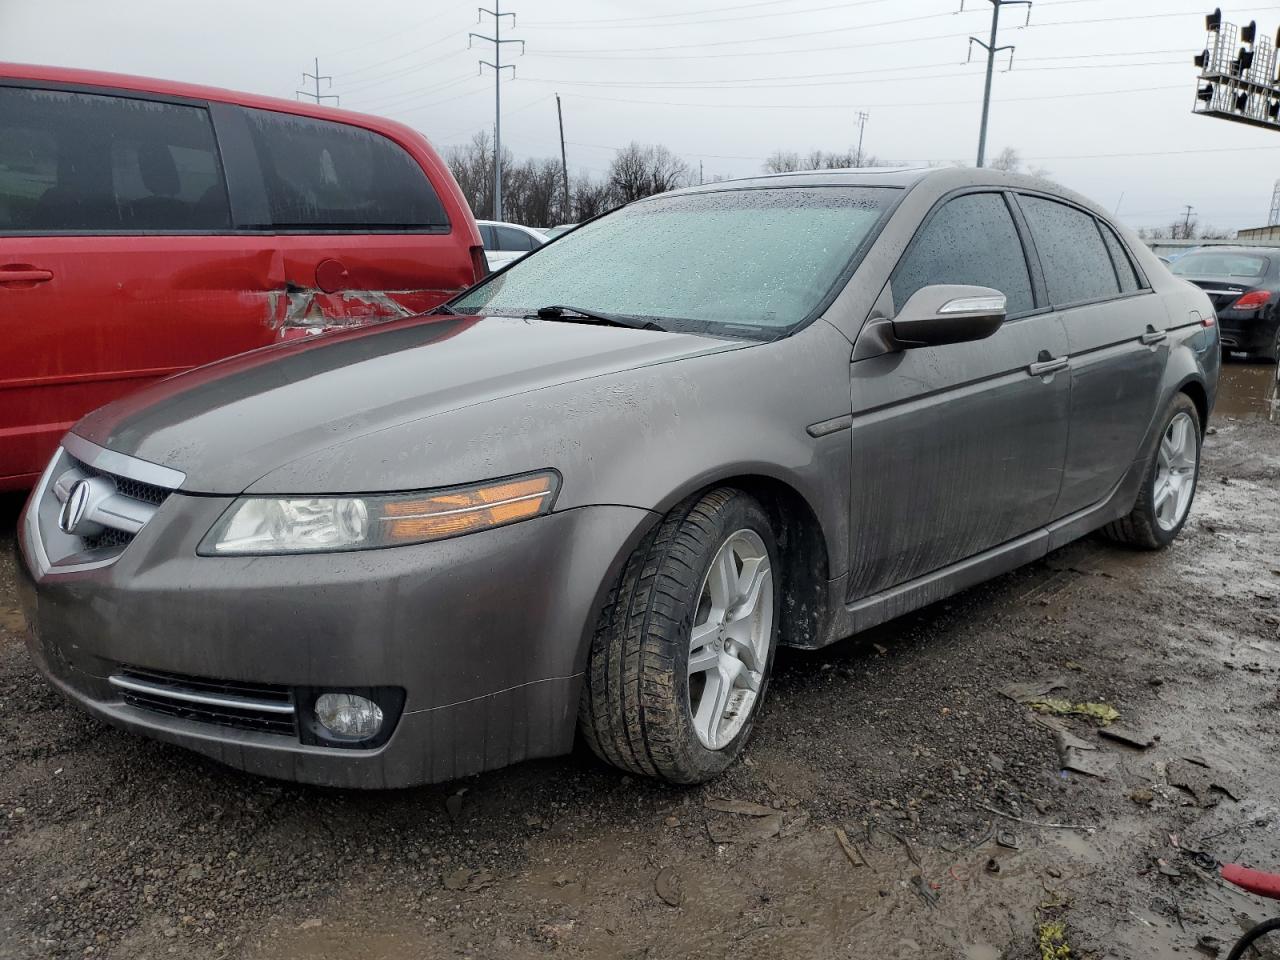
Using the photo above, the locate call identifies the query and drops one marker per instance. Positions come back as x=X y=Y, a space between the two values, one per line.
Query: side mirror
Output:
x=948 y=313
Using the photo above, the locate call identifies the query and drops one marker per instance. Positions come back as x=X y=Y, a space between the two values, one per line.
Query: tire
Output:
x=642 y=708
x=1154 y=522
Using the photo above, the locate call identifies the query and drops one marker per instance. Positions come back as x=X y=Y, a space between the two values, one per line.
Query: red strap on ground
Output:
x=1255 y=881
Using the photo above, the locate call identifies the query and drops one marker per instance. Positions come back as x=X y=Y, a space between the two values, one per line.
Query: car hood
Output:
x=230 y=423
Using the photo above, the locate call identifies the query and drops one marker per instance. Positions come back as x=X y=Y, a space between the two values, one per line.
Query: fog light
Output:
x=348 y=715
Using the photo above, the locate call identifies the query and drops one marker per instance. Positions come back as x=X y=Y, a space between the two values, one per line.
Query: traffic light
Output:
x=1239 y=78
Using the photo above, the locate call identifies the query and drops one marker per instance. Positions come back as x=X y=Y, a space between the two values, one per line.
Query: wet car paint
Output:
x=633 y=421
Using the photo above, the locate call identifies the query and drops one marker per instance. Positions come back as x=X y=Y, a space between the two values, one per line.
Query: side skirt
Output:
x=850 y=618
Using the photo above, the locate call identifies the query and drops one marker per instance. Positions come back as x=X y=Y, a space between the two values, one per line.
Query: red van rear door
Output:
x=361 y=230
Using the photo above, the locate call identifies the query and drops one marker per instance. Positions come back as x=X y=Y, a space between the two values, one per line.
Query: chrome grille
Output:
x=115 y=497
x=266 y=708
x=127 y=486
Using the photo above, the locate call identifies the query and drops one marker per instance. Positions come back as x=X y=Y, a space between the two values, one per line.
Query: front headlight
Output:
x=267 y=525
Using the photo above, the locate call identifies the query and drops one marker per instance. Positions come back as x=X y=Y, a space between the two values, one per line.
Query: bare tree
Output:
x=1010 y=161
x=591 y=197
x=641 y=170
x=783 y=161
x=787 y=161
x=472 y=166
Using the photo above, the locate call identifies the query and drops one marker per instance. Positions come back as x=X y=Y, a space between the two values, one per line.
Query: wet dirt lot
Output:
x=115 y=846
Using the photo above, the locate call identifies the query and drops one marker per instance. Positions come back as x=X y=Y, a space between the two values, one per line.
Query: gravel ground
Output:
x=115 y=846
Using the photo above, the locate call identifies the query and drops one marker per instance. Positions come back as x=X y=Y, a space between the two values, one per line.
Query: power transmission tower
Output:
x=863 y=117
x=1274 y=219
x=497 y=67
x=317 y=96
x=992 y=50
x=564 y=162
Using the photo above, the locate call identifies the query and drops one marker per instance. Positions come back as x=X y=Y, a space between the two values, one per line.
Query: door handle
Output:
x=24 y=274
x=1042 y=368
x=1152 y=336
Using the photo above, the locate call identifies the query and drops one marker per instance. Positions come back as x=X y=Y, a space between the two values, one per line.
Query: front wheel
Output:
x=1170 y=484
x=681 y=657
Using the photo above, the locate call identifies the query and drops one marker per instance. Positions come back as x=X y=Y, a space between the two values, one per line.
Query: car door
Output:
x=958 y=448
x=118 y=263
x=359 y=229
x=1116 y=335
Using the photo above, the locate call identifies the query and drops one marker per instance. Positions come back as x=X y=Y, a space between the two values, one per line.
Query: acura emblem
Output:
x=74 y=516
x=72 y=511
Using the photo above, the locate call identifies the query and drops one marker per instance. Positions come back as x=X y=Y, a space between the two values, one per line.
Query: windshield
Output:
x=754 y=262
x=1219 y=265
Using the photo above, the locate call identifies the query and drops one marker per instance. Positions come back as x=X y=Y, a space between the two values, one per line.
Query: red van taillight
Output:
x=479 y=264
x=1253 y=300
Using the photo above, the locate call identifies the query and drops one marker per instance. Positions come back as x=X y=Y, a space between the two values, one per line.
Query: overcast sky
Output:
x=1100 y=92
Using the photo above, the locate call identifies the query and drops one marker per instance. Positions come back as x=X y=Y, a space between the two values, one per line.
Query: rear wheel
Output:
x=682 y=653
x=1170 y=484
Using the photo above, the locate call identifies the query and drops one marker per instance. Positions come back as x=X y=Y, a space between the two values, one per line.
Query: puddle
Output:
x=1246 y=391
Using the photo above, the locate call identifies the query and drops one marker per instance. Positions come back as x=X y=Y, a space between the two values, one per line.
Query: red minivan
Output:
x=147 y=227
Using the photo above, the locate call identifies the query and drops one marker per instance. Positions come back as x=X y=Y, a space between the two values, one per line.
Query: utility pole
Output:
x=699 y=173
x=992 y=50
x=1186 y=222
x=564 y=162
x=317 y=96
x=863 y=117
x=497 y=67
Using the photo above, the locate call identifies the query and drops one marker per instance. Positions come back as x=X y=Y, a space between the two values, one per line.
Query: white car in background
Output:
x=507 y=242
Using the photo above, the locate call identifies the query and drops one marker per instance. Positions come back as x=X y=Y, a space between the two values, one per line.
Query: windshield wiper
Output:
x=444 y=308
x=560 y=311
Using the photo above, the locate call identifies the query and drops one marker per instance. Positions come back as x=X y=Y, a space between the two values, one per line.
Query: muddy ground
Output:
x=115 y=846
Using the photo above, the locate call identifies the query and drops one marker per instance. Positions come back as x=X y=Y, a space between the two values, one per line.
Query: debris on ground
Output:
x=1032 y=690
x=1130 y=737
x=744 y=808
x=667 y=885
x=1102 y=712
x=470 y=881
x=1203 y=784
x=1052 y=937
x=851 y=850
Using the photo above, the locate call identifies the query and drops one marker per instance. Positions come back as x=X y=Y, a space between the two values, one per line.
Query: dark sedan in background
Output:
x=601 y=488
x=1244 y=285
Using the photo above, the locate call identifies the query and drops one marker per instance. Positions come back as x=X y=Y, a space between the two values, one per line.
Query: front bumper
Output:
x=486 y=635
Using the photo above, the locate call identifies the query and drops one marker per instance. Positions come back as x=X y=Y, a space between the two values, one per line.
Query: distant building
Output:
x=1257 y=234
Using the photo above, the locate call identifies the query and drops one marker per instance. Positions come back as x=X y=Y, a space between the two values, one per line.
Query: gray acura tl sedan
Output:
x=597 y=490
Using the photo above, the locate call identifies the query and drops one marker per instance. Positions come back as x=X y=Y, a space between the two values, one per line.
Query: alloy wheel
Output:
x=730 y=640
x=1175 y=480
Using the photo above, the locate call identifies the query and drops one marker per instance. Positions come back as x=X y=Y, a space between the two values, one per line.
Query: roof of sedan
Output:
x=941 y=179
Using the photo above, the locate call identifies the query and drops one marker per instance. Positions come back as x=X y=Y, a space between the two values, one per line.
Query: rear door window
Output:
x=511 y=239
x=1077 y=267
x=322 y=175
x=1129 y=282
x=971 y=240
x=79 y=162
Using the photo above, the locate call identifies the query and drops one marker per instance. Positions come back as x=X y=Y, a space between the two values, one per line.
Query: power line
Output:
x=317 y=96
x=497 y=66
x=589 y=25
x=721 y=84
x=854 y=106
x=992 y=49
x=612 y=55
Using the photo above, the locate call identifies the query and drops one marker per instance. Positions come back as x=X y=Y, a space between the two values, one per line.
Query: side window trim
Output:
x=1062 y=307
x=1144 y=286
x=246 y=188
x=1040 y=301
